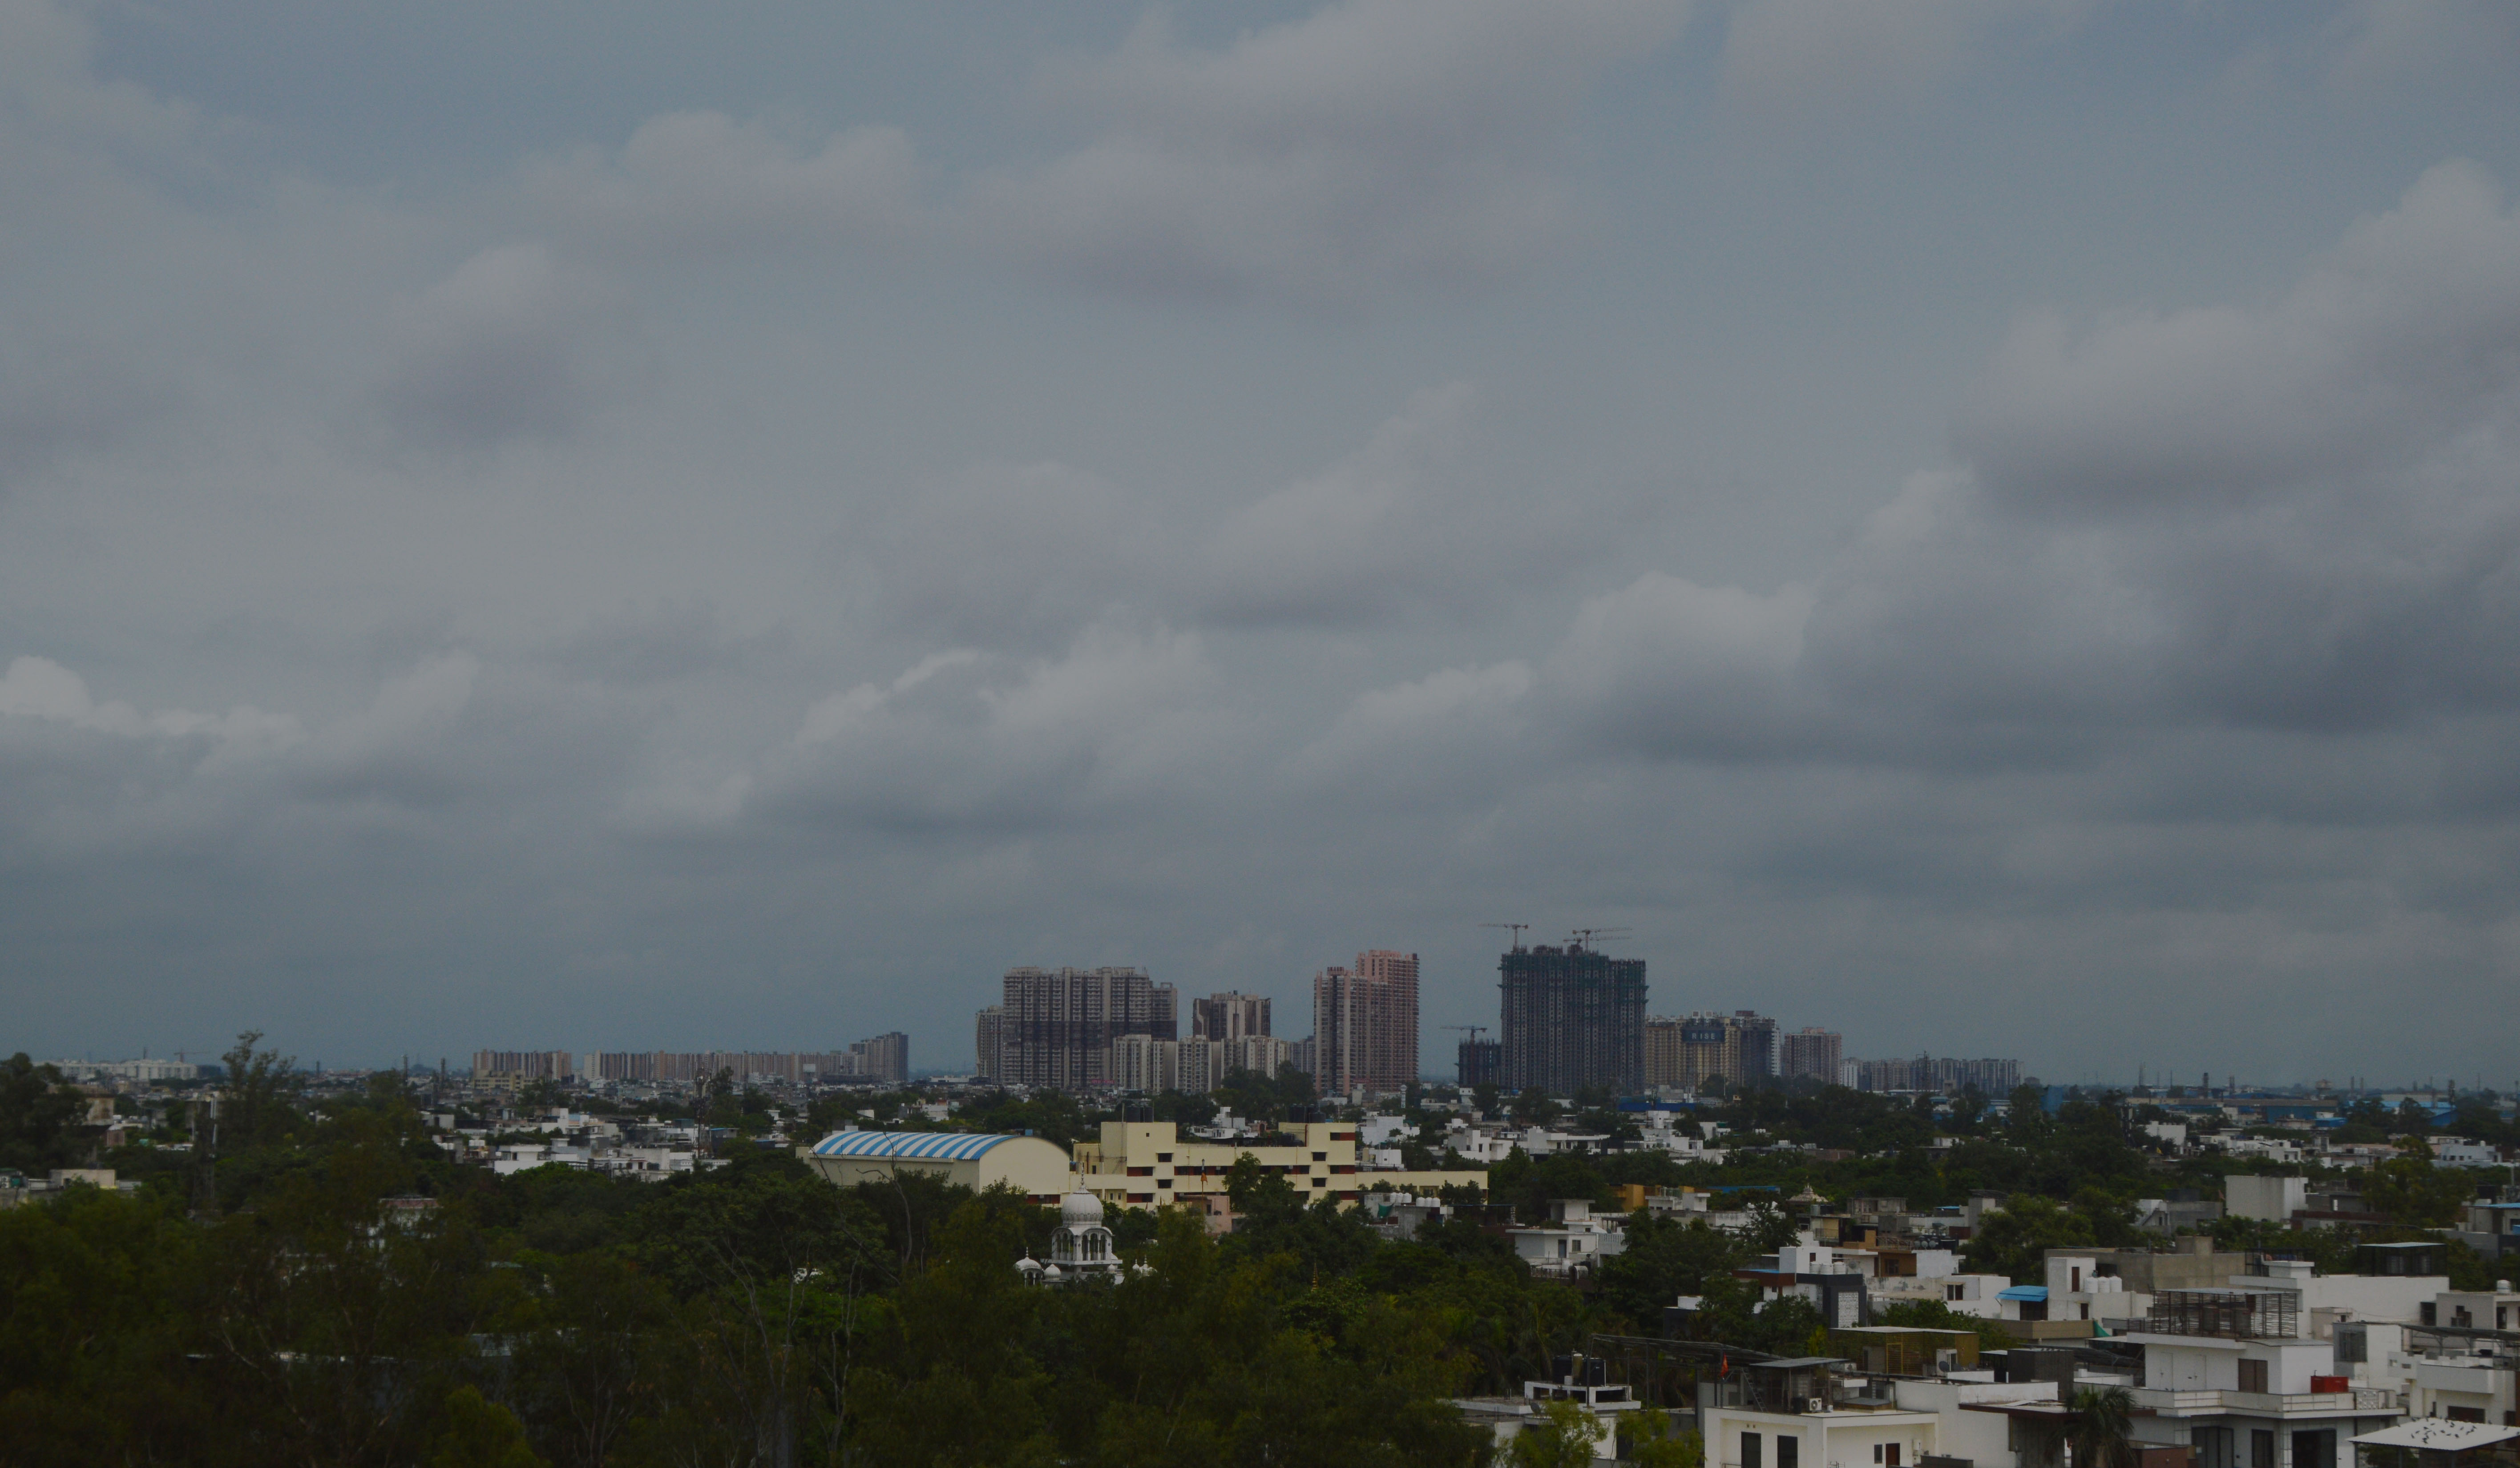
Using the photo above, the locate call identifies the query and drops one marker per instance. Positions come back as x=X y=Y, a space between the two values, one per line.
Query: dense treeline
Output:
x=272 y=1301
x=285 y=1305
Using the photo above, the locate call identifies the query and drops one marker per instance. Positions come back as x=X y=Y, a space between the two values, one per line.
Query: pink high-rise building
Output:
x=1365 y=1024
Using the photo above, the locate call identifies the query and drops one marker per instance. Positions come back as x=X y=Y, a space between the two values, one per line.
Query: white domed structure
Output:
x=1080 y=1246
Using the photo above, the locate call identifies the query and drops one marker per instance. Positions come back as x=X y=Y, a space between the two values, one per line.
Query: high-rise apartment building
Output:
x=1228 y=1017
x=1481 y=1062
x=1056 y=1026
x=1572 y=1017
x=1664 y=1065
x=1365 y=1025
x=987 y=1042
x=1811 y=1051
x=1756 y=1049
x=1692 y=1051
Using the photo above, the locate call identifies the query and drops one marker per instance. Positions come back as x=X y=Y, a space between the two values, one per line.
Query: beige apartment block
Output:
x=1148 y=1163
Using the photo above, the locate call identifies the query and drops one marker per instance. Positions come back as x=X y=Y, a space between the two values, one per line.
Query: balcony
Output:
x=2234 y=1314
x=2192 y=1403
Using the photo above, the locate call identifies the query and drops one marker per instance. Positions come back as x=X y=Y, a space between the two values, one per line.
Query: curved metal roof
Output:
x=932 y=1146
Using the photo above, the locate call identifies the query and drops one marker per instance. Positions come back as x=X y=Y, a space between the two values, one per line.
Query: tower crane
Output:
x=1583 y=937
x=1518 y=931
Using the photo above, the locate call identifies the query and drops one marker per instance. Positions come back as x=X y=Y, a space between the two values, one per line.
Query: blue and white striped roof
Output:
x=934 y=1147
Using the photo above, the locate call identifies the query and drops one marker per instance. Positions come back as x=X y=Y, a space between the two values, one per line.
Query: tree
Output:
x=1934 y=1315
x=2102 y=1433
x=38 y=1110
x=1653 y=1443
x=1664 y=1258
x=481 y=1434
x=2412 y=1191
x=258 y=1105
x=1562 y=1436
x=2013 y=1241
x=1770 y=1228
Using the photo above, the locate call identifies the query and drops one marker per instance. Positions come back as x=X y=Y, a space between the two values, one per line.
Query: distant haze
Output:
x=1990 y=528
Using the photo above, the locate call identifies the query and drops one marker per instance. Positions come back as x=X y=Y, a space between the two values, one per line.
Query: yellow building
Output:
x=1146 y=1164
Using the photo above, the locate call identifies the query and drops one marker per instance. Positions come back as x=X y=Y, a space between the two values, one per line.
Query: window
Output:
x=2253 y=1375
x=1163 y=1157
x=1141 y=1172
x=2464 y=1413
x=1955 y=1292
x=1163 y=1182
x=1750 y=1452
x=2077 y=1287
x=1876 y=1452
x=1788 y=1451
x=2262 y=1450
x=1321 y=1157
x=2424 y=1314
x=2213 y=1447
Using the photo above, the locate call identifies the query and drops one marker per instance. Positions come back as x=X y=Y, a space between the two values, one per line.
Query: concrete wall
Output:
x=2249 y=1196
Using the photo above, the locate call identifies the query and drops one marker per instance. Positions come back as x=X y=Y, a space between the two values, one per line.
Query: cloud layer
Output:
x=750 y=570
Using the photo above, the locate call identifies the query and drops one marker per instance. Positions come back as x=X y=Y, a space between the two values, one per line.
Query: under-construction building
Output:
x=1572 y=1017
x=1055 y=1027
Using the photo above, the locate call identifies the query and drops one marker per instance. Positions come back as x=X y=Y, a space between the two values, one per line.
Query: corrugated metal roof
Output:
x=932 y=1146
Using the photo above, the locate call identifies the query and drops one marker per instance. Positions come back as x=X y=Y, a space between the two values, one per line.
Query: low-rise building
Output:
x=978 y=1161
x=2232 y=1373
x=1147 y=1164
x=1571 y=1243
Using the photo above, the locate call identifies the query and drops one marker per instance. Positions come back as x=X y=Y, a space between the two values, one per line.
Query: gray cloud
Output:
x=679 y=574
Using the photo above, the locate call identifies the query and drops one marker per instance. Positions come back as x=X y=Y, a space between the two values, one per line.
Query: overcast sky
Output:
x=1990 y=527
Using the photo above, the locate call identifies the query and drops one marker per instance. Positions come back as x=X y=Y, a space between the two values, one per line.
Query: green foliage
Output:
x=2412 y=1190
x=2013 y=1241
x=1562 y=1436
x=1664 y=1258
x=481 y=1434
x=2102 y=1433
x=38 y=1111
x=1934 y=1315
x=1649 y=1441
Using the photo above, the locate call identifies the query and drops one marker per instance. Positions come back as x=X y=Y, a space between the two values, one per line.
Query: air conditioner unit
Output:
x=1815 y=1403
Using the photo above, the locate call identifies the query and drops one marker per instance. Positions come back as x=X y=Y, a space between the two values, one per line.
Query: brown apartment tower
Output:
x=1365 y=1025
x=1056 y=1026
x=1228 y=1017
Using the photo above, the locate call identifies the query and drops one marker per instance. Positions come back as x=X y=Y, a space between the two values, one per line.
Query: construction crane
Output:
x=1518 y=931
x=1583 y=937
x=1476 y=1030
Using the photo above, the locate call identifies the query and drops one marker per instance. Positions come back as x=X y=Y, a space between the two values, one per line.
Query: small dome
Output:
x=1080 y=1209
x=1028 y=1264
x=1051 y=1271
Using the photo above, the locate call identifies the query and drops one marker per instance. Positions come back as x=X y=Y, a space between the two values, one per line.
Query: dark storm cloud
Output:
x=715 y=578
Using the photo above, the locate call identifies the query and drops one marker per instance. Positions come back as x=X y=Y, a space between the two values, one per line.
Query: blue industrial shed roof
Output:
x=932 y=1146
